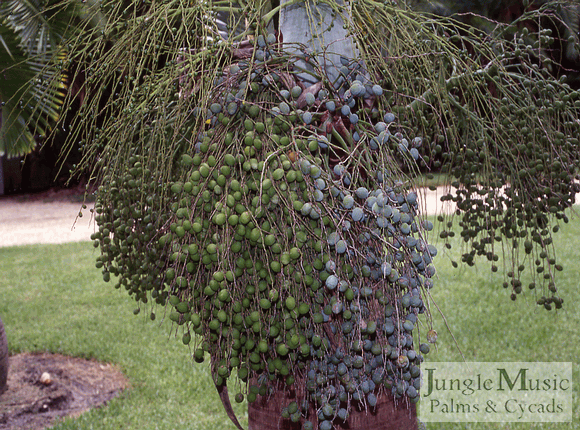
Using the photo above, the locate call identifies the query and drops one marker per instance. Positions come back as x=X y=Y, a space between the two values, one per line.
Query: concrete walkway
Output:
x=24 y=221
x=28 y=222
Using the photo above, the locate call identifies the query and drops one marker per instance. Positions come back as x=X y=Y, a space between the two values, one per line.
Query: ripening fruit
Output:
x=290 y=303
x=325 y=425
x=216 y=108
x=348 y=202
x=380 y=127
x=284 y=108
x=357 y=89
x=412 y=392
x=357 y=214
x=402 y=361
x=331 y=282
x=296 y=91
x=341 y=246
x=362 y=193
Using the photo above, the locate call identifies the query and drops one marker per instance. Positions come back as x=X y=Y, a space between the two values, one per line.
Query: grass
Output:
x=488 y=326
x=433 y=180
x=53 y=299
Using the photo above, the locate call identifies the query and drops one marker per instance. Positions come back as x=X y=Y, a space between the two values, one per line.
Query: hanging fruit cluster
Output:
x=516 y=172
x=288 y=242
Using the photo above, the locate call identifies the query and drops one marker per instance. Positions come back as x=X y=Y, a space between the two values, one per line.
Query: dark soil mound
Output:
x=44 y=387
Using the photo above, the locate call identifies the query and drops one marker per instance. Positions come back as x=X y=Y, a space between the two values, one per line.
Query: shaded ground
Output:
x=33 y=401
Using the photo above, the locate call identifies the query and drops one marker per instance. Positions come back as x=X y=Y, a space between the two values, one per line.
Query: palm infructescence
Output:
x=258 y=183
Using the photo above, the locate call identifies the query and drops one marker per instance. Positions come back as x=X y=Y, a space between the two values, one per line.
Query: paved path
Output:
x=25 y=221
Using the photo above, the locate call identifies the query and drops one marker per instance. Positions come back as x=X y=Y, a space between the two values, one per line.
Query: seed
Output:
x=357 y=214
x=282 y=349
x=219 y=219
x=348 y=202
x=290 y=303
x=296 y=91
x=265 y=304
x=315 y=171
x=275 y=266
x=176 y=188
x=389 y=117
x=331 y=282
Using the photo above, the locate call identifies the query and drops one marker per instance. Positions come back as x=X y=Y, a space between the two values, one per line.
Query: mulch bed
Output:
x=70 y=386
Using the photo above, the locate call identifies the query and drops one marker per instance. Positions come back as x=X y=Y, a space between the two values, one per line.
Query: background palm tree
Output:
x=34 y=69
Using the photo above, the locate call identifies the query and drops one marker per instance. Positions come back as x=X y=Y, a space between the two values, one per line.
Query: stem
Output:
x=268 y=17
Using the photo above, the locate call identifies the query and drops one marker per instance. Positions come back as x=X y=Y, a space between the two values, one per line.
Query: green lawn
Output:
x=488 y=326
x=53 y=299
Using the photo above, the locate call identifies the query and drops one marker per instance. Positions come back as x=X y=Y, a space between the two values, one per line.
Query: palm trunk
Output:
x=3 y=358
x=264 y=413
x=1 y=175
x=322 y=32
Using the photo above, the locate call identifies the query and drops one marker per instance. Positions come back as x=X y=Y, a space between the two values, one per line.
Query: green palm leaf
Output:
x=33 y=89
x=15 y=137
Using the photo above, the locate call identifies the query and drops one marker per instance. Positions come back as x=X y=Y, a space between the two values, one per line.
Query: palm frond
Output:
x=35 y=80
x=40 y=26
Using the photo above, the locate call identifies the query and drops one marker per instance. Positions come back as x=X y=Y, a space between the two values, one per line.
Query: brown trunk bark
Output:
x=3 y=358
x=264 y=414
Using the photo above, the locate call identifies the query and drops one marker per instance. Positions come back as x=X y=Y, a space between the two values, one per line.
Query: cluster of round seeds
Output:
x=510 y=159
x=286 y=244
